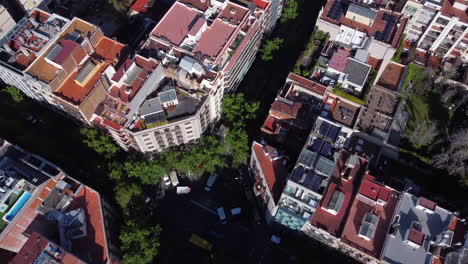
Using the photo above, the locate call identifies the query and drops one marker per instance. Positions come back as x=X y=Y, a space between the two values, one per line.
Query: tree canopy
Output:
x=140 y=245
x=124 y=193
x=99 y=142
x=237 y=141
x=237 y=111
x=269 y=48
x=290 y=11
x=15 y=94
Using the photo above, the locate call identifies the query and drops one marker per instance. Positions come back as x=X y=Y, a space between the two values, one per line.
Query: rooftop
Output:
x=214 y=38
x=387 y=26
x=335 y=205
x=339 y=109
x=409 y=240
x=378 y=200
x=357 y=72
x=29 y=38
x=177 y=23
x=339 y=61
x=273 y=168
x=38 y=249
x=392 y=76
x=308 y=84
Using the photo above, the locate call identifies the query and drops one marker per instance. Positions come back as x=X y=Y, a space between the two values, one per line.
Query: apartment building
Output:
x=446 y=36
x=22 y=45
x=39 y=200
x=7 y=23
x=353 y=24
x=172 y=90
x=419 y=18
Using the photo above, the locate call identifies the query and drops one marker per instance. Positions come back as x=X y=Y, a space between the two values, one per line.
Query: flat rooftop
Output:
x=21 y=46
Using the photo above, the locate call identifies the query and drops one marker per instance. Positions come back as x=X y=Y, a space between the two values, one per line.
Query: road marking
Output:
x=204 y=207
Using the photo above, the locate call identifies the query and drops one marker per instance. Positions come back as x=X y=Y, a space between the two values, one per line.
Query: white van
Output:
x=222 y=215
x=174 y=179
x=210 y=182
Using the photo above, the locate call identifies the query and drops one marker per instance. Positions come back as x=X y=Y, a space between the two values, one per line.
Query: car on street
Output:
x=210 y=182
x=183 y=190
x=174 y=179
x=222 y=215
x=236 y=211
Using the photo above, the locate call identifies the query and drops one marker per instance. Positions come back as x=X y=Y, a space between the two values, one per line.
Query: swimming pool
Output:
x=17 y=207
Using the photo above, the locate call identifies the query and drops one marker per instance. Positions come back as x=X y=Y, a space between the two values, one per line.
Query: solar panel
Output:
x=325 y=166
x=307 y=157
x=336 y=10
x=85 y=71
x=326 y=149
x=324 y=128
x=168 y=96
x=296 y=175
x=334 y=132
x=316 y=145
x=312 y=181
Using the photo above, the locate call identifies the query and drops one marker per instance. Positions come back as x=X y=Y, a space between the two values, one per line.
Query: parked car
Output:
x=183 y=190
x=174 y=179
x=166 y=180
x=222 y=215
x=236 y=211
x=210 y=182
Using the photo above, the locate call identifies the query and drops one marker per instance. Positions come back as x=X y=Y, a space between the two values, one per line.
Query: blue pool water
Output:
x=17 y=207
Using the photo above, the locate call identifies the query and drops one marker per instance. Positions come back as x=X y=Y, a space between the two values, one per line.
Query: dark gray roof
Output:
x=362 y=10
x=184 y=107
x=151 y=106
x=432 y=224
x=168 y=96
x=357 y=72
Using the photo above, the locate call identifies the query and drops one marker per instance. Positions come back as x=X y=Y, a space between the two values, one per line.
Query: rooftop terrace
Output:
x=30 y=37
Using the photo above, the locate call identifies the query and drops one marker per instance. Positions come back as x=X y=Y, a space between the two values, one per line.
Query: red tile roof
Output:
x=307 y=83
x=176 y=24
x=339 y=60
x=36 y=245
x=93 y=247
x=285 y=109
x=109 y=49
x=261 y=3
x=361 y=207
x=140 y=6
x=322 y=218
x=392 y=76
x=197 y=26
x=214 y=39
x=273 y=169
x=197 y=4
x=234 y=12
x=448 y=10
x=67 y=47
x=416 y=236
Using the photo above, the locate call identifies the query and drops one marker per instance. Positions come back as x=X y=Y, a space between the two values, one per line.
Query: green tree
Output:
x=237 y=141
x=15 y=94
x=124 y=193
x=290 y=11
x=99 y=142
x=148 y=172
x=269 y=48
x=139 y=244
x=117 y=4
x=237 y=111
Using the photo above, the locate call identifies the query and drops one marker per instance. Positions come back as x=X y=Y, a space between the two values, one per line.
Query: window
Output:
x=336 y=201
x=369 y=224
x=145 y=135
x=189 y=132
x=150 y=147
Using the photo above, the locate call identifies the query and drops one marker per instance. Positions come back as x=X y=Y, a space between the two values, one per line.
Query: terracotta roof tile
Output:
x=307 y=83
x=274 y=170
x=360 y=208
x=234 y=12
x=176 y=24
x=214 y=39
x=392 y=76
